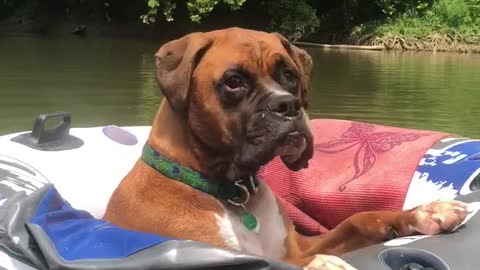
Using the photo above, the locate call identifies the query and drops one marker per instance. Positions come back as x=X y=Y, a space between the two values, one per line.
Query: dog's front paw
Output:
x=439 y=216
x=328 y=262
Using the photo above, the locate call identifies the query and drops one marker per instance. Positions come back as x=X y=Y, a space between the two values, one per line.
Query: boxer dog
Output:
x=234 y=100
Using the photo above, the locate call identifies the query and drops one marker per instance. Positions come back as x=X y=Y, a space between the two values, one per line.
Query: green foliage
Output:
x=290 y=17
x=198 y=9
x=293 y=18
x=165 y=6
x=455 y=13
x=393 y=8
x=450 y=12
x=445 y=17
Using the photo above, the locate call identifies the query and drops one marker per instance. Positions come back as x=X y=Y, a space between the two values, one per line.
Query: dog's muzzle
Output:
x=278 y=128
x=286 y=106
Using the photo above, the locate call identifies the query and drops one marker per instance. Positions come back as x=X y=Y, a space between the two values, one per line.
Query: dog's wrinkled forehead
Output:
x=248 y=50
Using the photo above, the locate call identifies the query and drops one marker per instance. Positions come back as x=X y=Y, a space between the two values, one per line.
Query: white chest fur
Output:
x=268 y=239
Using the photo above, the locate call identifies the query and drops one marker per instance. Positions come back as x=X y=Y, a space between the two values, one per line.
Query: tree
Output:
x=290 y=17
x=198 y=9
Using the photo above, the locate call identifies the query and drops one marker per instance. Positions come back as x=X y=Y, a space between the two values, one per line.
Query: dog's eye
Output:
x=289 y=75
x=288 y=79
x=234 y=83
x=286 y=76
x=233 y=87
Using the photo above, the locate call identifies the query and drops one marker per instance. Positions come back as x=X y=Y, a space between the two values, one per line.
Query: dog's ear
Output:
x=304 y=64
x=175 y=62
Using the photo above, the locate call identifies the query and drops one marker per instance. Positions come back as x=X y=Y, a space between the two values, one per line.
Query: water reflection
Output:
x=111 y=81
x=419 y=90
x=99 y=81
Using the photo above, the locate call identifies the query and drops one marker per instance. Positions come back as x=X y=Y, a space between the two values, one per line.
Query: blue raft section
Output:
x=77 y=235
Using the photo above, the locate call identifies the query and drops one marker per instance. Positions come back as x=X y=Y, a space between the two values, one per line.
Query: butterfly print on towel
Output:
x=368 y=144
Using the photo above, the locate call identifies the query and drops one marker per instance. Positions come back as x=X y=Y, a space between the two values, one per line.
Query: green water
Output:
x=111 y=81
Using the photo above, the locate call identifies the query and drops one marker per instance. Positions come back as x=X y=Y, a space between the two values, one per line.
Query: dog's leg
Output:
x=296 y=242
x=368 y=228
x=322 y=262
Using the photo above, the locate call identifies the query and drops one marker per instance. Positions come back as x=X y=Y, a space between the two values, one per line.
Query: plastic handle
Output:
x=42 y=135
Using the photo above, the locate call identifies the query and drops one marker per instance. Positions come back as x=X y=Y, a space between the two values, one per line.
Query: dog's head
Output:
x=243 y=95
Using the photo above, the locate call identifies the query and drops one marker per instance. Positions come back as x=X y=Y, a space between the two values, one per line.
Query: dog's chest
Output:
x=268 y=239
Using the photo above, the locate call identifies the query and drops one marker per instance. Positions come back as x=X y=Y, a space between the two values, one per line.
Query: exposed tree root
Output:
x=368 y=41
x=341 y=46
x=435 y=42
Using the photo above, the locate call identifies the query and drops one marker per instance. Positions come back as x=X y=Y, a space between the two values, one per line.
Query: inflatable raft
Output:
x=55 y=184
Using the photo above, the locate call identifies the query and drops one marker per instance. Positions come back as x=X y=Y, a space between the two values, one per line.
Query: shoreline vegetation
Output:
x=419 y=25
x=434 y=43
x=401 y=25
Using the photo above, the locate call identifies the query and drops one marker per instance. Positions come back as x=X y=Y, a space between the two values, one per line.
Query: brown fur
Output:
x=193 y=128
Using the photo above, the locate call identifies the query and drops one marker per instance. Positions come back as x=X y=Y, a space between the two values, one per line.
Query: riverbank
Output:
x=371 y=41
x=402 y=34
x=390 y=41
x=445 y=25
x=418 y=35
x=434 y=42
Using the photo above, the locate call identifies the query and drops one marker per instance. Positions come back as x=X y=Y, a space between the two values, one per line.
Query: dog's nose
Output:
x=284 y=105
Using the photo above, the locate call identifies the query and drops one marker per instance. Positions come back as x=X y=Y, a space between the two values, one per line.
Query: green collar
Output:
x=237 y=193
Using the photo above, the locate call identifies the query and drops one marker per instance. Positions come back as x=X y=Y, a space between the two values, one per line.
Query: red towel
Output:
x=355 y=167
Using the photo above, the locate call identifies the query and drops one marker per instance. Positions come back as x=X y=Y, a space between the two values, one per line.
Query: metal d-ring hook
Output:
x=252 y=182
x=245 y=190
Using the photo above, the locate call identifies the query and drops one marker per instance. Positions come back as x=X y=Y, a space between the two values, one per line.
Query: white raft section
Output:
x=86 y=176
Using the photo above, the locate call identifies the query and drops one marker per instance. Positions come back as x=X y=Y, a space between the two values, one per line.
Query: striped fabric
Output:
x=356 y=167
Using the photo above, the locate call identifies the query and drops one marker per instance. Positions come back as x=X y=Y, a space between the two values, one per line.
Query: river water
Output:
x=111 y=81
